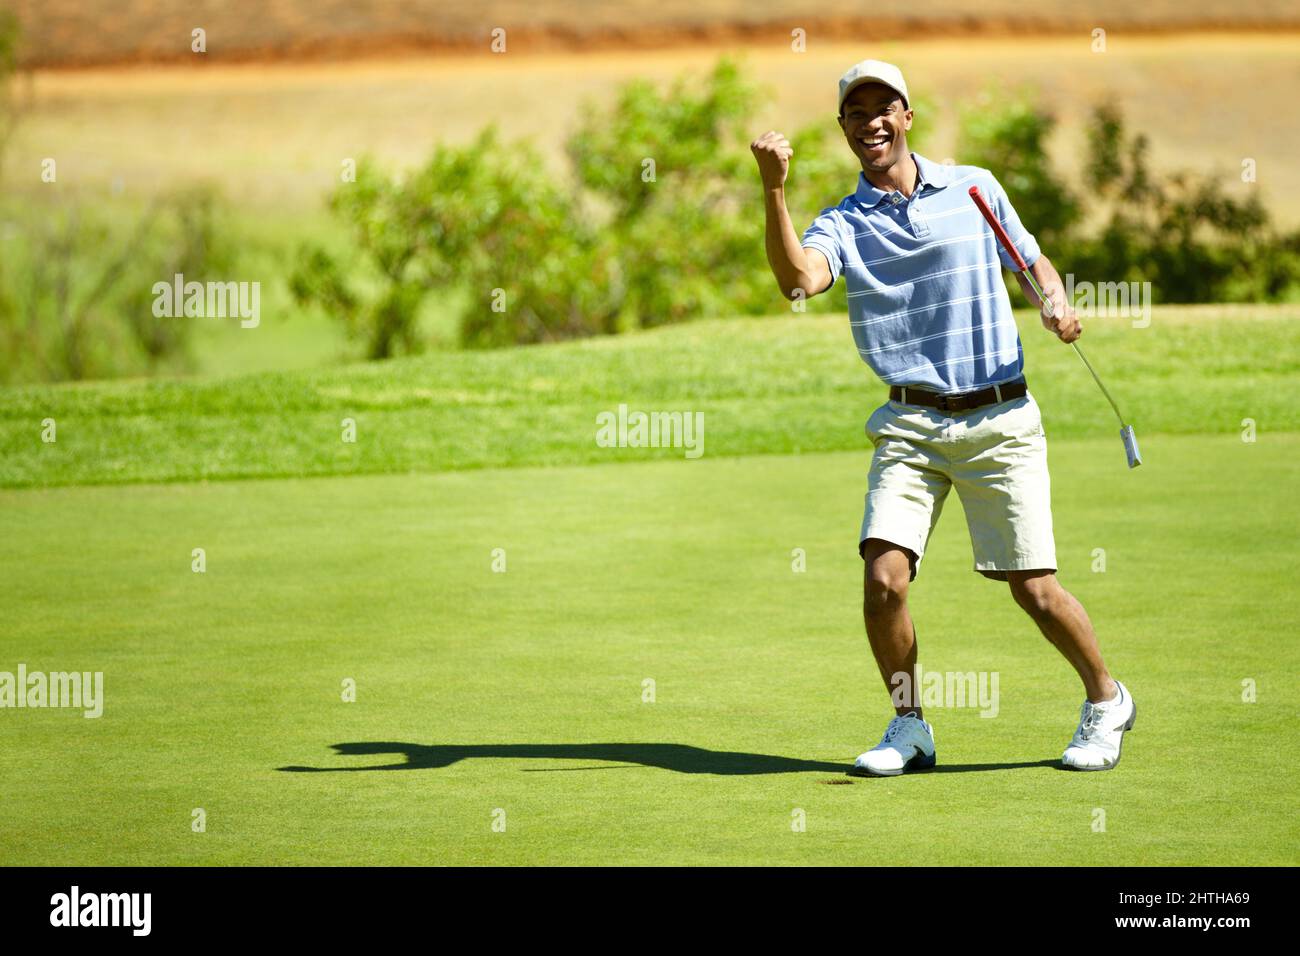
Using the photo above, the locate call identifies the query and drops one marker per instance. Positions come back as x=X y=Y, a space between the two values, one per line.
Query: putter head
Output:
x=1130 y=446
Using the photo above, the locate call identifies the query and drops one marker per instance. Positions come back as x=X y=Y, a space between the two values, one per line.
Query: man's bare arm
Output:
x=1064 y=323
x=795 y=268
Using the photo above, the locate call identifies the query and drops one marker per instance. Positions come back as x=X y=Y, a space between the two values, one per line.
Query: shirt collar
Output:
x=934 y=175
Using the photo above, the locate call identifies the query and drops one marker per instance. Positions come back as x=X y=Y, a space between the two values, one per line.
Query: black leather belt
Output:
x=913 y=395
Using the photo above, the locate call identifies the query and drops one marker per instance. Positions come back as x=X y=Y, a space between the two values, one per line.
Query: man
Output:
x=932 y=318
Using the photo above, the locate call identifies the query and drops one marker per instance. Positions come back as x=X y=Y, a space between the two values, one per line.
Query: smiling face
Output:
x=875 y=122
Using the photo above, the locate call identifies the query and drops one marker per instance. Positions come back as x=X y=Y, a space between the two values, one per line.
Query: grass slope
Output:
x=779 y=386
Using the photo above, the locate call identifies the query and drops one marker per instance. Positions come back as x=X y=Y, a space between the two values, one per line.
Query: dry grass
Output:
x=275 y=134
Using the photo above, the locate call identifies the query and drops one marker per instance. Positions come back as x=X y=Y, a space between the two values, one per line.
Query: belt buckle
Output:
x=943 y=405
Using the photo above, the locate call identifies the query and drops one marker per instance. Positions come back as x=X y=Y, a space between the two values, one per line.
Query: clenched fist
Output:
x=772 y=152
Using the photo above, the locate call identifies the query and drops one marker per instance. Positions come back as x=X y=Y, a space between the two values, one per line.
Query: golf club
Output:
x=1125 y=431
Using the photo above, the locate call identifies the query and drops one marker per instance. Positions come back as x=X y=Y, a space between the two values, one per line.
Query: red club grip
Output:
x=997 y=228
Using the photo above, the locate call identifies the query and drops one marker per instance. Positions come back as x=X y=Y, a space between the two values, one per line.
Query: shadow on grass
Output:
x=680 y=758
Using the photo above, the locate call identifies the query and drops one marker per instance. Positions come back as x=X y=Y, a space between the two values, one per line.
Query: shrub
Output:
x=1181 y=231
x=485 y=218
x=76 y=296
x=1009 y=136
x=659 y=219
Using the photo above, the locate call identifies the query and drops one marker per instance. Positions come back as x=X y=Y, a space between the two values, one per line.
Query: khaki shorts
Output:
x=996 y=456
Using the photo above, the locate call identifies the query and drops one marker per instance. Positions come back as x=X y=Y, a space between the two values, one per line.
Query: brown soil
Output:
x=80 y=33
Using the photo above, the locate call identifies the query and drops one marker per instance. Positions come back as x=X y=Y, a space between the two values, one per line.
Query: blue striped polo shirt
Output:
x=927 y=303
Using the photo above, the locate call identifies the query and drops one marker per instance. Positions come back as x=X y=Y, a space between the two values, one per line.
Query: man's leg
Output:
x=1065 y=623
x=889 y=625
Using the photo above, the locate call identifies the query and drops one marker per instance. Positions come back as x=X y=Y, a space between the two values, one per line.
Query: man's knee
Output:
x=888 y=574
x=1037 y=592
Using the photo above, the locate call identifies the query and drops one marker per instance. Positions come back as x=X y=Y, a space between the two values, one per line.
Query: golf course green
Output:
x=562 y=653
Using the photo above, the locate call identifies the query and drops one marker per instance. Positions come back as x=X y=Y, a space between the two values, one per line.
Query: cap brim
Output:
x=863 y=80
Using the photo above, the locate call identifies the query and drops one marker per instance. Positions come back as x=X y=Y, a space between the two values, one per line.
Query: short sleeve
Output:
x=1023 y=240
x=824 y=236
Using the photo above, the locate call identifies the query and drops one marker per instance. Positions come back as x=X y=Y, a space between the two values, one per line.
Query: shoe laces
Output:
x=894 y=729
x=1091 y=719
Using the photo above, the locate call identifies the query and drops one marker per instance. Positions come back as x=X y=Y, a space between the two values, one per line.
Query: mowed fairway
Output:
x=523 y=691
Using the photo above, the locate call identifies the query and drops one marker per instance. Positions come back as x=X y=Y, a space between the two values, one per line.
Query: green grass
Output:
x=288 y=337
x=523 y=690
x=675 y=571
x=764 y=385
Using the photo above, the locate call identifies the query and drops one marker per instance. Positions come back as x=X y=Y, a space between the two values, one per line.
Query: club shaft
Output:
x=1095 y=378
x=1045 y=303
x=1050 y=311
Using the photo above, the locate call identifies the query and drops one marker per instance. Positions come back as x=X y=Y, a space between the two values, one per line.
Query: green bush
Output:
x=1009 y=135
x=668 y=168
x=658 y=220
x=8 y=61
x=1181 y=231
x=485 y=219
x=76 y=297
x=76 y=283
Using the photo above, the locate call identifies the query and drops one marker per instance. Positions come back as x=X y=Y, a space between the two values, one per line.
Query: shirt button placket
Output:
x=917 y=219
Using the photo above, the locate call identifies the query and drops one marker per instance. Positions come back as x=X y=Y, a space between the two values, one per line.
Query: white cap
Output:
x=872 y=71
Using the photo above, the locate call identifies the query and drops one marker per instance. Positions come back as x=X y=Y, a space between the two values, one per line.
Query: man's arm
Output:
x=795 y=268
x=1065 y=323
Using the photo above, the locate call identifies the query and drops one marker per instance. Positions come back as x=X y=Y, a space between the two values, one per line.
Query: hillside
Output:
x=780 y=385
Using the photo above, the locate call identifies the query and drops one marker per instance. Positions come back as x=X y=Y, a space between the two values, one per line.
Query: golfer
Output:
x=931 y=316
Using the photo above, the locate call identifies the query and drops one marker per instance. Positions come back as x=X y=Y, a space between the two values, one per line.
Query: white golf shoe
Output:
x=1101 y=730
x=908 y=744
